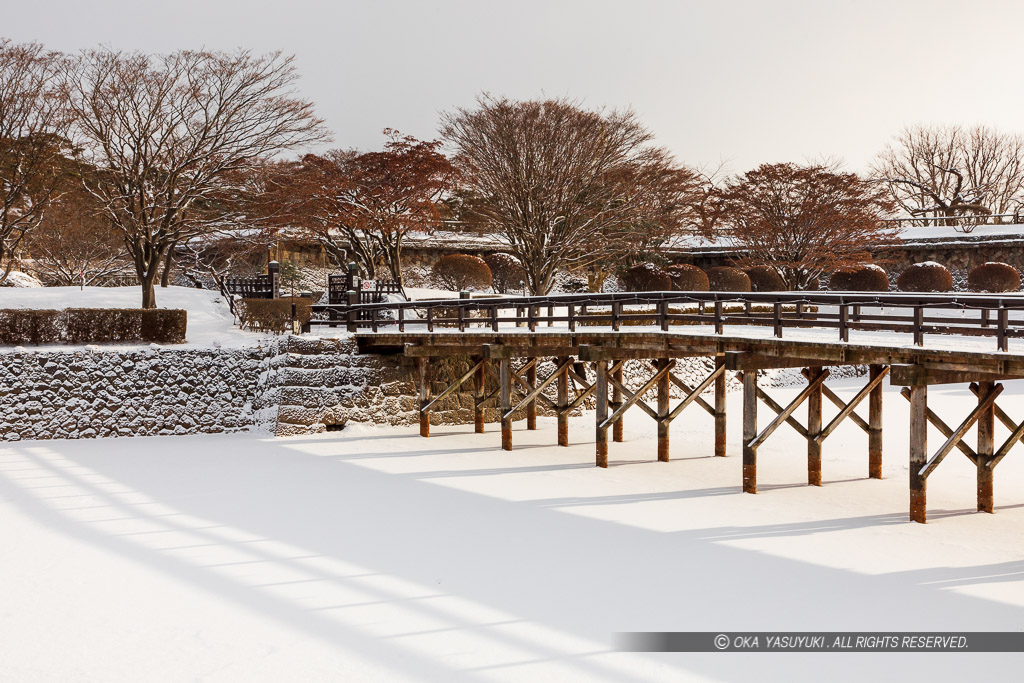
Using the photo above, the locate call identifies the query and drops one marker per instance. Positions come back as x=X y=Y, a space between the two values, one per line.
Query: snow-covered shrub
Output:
x=507 y=274
x=688 y=278
x=272 y=315
x=928 y=276
x=864 y=278
x=993 y=277
x=728 y=279
x=765 y=279
x=16 y=278
x=645 y=277
x=92 y=325
x=462 y=272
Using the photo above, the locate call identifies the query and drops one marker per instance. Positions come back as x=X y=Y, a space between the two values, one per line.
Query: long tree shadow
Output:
x=576 y=575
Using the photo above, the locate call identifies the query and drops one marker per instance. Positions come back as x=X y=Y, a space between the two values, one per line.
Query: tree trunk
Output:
x=148 y=289
x=165 y=279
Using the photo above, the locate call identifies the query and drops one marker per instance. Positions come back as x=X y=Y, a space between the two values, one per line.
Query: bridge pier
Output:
x=720 y=409
x=480 y=395
x=601 y=414
x=505 y=401
x=562 y=409
x=875 y=424
x=423 y=371
x=814 y=427
x=749 y=431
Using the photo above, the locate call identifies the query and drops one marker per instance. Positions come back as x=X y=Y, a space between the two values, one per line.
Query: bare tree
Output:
x=173 y=136
x=75 y=243
x=951 y=172
x=805 y=221
x=33 y=128
x=557 y=181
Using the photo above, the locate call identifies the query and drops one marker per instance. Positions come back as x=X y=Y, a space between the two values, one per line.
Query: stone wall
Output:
x=86 y=393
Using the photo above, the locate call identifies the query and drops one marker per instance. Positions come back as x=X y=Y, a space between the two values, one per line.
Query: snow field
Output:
x=373 y=554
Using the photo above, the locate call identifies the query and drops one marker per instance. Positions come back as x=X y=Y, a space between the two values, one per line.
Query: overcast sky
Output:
x=744 y=82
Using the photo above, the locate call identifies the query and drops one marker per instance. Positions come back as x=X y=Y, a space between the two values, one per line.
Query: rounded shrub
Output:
x=461 y=272
x=765 y=279
x=928 y=276
x=864 y=278
x=993 y=277
x=507 y=274
x=645 y=277
x=687 y=278
x=728 y=279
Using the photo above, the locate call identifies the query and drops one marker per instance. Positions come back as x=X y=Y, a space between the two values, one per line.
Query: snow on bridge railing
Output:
x=915 y=314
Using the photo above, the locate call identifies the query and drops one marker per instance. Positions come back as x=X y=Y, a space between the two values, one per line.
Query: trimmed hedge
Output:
x=993 y=277
x=925 y=277
x=765 y=279
x=507 y=274
x=728 y=279
x=688 y=278
x=865 y=278
x=461 y=272
x=273 y=315
x=645 y=277
x=92 y=325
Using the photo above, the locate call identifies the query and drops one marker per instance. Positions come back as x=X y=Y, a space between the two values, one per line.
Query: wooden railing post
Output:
x=352 y=316
x=749 y=431
x=562 y=402
x=479 y=394
x=720 y=408
x=986 y=448
x=918 y=452
x=719 y=324
x=814 y=428
x=616 y=403
x=875 y=426
x=664 y=387
x=919 y=325
x=423 y=366
x=531 y=407
x=463 y=296
x=1002 y=320
x=505 y=400
x=601 y=414
x=777 y=317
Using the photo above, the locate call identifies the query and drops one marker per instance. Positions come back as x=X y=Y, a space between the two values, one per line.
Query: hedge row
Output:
x=273 y=315
x=92 y=325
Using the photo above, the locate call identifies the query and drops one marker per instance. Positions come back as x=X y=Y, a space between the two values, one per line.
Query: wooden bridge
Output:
x=968 y=343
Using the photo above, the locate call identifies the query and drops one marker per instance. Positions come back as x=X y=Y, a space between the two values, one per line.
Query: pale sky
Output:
x=744 y=82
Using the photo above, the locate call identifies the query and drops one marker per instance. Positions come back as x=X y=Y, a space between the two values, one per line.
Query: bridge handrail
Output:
x=799 y=311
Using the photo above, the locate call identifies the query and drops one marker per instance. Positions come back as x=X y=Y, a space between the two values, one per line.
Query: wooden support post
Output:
x=875 y=426
x=601 y=415
x=720 y=408
x=813 y=429
x=563 y=402
x=505 y=393
x=749 y=431
x=918 y=452
x=479 y=396
x=531 y=407
x=424 y=394
x=986 y=448
x=664 y=387
x=616 y=403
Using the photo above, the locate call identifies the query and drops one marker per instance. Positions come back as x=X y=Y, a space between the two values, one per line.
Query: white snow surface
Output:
x=376 y=555
x=210 y=323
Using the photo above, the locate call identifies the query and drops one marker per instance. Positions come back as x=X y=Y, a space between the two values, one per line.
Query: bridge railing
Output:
x=913 y=314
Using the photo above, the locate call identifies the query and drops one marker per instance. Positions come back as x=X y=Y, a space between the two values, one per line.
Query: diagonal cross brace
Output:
x=536 y=391
x=694 y=394
x=632 y=398
x=451 y=388
x=958 y=433
x=1016 y=431
x=686 y=388
x=588 y=389
x=789 y=410
x=944 y=429
x=771 y=403
x=848 y=408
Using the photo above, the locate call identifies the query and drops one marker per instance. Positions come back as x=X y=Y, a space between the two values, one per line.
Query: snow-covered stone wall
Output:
x=91 y=392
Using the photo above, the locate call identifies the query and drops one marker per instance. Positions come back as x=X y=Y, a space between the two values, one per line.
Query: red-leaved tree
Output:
x=804 y=221
x=361 y=206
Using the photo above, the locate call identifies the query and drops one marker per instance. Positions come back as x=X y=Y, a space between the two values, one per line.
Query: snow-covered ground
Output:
x=210 y=322
x=375 y=555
